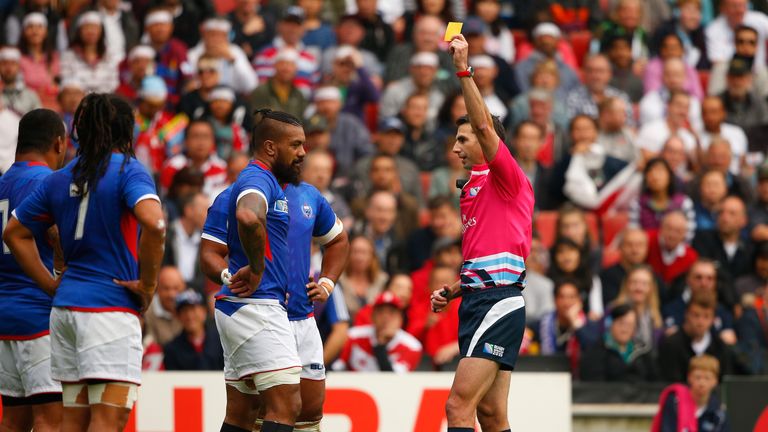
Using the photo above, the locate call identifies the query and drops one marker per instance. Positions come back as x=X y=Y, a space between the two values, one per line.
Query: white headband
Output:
x=89 y=18
x=222 y=93
x=10 y=53
x=217 y=24
x=158 y=17
x=35 y=18
x=142 y=51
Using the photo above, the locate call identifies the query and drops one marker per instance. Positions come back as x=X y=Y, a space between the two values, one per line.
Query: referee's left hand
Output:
x=439 y=302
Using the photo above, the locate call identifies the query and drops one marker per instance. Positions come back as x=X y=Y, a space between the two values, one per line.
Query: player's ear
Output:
x=60 y=146
x=270 y=147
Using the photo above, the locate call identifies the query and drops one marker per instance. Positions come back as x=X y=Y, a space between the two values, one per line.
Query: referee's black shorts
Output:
x=491 y=324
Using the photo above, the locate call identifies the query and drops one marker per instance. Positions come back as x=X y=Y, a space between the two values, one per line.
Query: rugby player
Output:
x=98 y=201
x=497 y=212
x=260 y=353
x=31 y=398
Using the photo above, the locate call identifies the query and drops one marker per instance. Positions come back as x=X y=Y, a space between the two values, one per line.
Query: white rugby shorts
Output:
x=25 y=368
x=310 y=348
x=95 y=345
x=257 y=339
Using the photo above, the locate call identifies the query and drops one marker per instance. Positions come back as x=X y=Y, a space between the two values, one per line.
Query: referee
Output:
x=496 y=214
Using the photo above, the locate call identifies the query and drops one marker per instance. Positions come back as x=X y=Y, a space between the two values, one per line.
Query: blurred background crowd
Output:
x=640 y=124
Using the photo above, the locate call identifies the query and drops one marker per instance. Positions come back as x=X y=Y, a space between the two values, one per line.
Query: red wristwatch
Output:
x=469 y=73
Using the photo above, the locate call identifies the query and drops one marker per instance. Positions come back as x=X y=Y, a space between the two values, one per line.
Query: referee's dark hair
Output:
x=38 y=130
x=269 y=125
x=497 y=126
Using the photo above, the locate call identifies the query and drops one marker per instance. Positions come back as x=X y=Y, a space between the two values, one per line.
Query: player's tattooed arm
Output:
x=21 y=241
x=251 y=217
x=212 y=259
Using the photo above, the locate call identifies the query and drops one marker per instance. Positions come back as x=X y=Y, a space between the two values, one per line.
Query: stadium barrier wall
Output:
x=355 y=402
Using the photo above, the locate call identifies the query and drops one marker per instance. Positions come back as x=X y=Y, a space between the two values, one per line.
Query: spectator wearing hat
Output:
x=234 y=68
x=720 y=33
x=200 y=154
x=689 y=27
x=87 y=58
x=546 y=37
x=253 y=26
x=350 y=140
x=15 y=94
x=158 y=133
x=194 y=104
x=625 y=19
x=745 y=39
x=349 y=74
x=40 y=65
x=170 y=52
x=423 y=79
x=383 y=346
x=56 y=35
x=476 y=32
x=653 y=104
x=619 y=52
x=597 y=77
x=350 y=30
x=379 y=37
x=401 y=286
x=616 y=136
x=713 y=116
x=317 y=134
x=198 y=347
x=9 y=132
x=319 y=35
x=290 y=31
x=389 y=139
x=139 y=64
x=160 y=319
x=280 y=92
x=120 y=28
x=227 y=120
x=427 y=36
x=745 y=107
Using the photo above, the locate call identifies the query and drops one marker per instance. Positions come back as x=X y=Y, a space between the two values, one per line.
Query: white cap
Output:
x=71 y=83
x=425 y=59
x=10 y=53
x=154 y=88
x=222 y=93
x=327 y=93
x=89 y=18
x=546 y=29
x=35 y=18
x=217 y=24
x=158 y=17
x=142 y=51
x=482 y=61
x=287 y=54
x=344 y=51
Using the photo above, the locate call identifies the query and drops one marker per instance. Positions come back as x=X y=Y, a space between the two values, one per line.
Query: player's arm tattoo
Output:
x=252 y=228
x=58 y=253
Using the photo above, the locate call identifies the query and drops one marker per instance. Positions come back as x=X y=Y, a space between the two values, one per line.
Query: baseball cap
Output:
x=387 y=298
x=738 y=67
x=189 y=298
x=316 y=123
x=473 y=26
x=546 y=29
x=391 y=124
x=294 y=14
x=153 y=88
x=425 y=59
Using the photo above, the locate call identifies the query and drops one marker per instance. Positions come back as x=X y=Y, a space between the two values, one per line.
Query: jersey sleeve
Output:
x=506 y=174
x=327 y=224
x=256 y=182
x=35 y=211
x=336 y=309
x=137 y=185
x=215 y=228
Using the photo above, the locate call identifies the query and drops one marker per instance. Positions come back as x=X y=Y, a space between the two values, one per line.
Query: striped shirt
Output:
x=497 y=216
x=307 y=67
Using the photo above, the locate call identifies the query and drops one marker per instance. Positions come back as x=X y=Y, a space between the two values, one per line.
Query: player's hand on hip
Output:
x=245 y=282
x=459 y=49
x=439 y=299
x=142 y=294
x=318 y=292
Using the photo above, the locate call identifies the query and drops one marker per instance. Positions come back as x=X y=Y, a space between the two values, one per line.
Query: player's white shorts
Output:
x=95 y=345
x=257 y=338
x=25 y=368
x=310 y=347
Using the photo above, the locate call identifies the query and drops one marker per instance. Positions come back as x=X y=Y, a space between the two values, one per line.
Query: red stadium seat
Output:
x=371 y=115
x=580 y=41
x=520 y=38
x=611 y=256
x=612 y=226
x=545 y=224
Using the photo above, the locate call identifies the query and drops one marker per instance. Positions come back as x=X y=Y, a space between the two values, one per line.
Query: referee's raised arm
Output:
x=479 y=117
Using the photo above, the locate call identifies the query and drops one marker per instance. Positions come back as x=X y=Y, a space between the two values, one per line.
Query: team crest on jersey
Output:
x=307 y=210
x=474 y=191
x=281 y=206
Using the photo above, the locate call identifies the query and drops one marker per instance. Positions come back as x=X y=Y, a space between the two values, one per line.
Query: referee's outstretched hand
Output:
x=438 y=299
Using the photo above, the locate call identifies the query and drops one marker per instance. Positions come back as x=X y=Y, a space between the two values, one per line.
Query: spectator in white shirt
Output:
x=719 y=33
x=183 y=238
x=615 y=136
x=652 y=105
x=87 y=58
x=485 y=74
x=120 y=28
x=422 y=78
x=235 y=70
x=713 y=114
x=654 y=134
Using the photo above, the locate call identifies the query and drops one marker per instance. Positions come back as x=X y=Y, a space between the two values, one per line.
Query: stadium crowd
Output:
x=640 y=124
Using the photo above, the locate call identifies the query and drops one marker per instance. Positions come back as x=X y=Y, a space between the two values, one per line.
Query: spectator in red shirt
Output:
x=383 y=346
x=199 y=154
x=440 y=331
x=399 y=284
x=668 y=252
x=158 y=132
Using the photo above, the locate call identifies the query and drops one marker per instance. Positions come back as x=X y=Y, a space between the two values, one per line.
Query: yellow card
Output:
x=452 y=30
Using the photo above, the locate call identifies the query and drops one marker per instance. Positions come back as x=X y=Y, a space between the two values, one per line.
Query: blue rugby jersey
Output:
x=99 y=233
x=26 y=307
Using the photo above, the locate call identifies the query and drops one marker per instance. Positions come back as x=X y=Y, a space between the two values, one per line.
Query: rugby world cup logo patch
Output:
x=307 y=210
x=474 y=191
x=281 y=206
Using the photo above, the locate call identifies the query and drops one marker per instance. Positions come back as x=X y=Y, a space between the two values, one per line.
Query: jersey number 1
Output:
x=81 y=212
